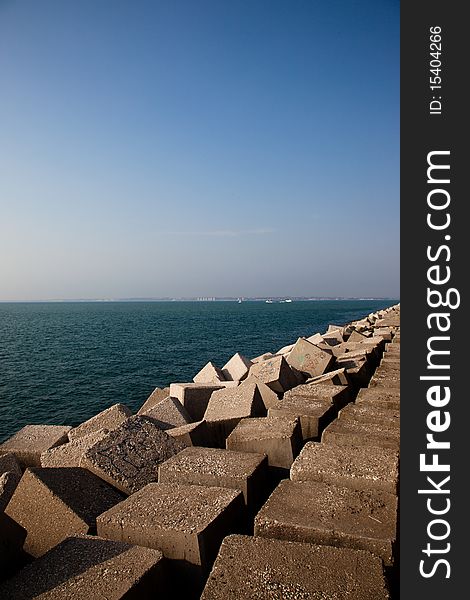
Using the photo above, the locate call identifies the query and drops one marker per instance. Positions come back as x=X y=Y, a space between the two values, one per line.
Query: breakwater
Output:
x=275 y=476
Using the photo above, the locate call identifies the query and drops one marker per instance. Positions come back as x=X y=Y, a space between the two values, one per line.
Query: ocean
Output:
x=61 y=363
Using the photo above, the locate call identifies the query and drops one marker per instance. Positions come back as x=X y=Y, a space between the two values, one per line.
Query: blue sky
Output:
x=215 y=148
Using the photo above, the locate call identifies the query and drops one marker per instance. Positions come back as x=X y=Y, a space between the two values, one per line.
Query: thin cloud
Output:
x=223 y=232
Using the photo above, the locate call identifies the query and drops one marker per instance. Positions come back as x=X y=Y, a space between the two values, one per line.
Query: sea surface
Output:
x=61 y=363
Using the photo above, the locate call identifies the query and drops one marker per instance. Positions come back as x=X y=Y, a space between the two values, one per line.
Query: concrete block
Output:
x=384 y=332
x=309 y=359
x=169 y=413
x=70 y=454
x=356 y=336
x=388 y=380
x=285 y=349
x=357 y=467
x=209 y=373
x=255 y=567
x=313 y=415
x=334 y=336
x=321 y=513
x=378 y=415
x=390 y=363
x=244 y=471
x=357 y=350
x=237 y=367
x=379 y=396
x=193 y=434
x=110 y=419
x=316 y=338
x=336 y=377
x=353 y=433
x=128 y=457
x=8 y=484
x=9 y=463
x=358 y=370
x=267 y=395
x=262 y=357
x=194 y=397
x=186 y=522
x=52 y=504
x=227 y=407
x=338 y=395
x=12 y=537
x=155 y=397
x=280 y=438
x=91 y=568
x=275 y=373
x=332 y=328
x=30 y=441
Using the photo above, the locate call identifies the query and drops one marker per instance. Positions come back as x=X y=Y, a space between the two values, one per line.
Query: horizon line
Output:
x=201 y=299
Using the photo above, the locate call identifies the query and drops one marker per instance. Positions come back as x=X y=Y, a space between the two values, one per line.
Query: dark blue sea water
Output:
x=61 y=363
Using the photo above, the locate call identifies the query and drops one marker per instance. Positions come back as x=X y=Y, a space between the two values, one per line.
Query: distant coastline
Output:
x=210 y=299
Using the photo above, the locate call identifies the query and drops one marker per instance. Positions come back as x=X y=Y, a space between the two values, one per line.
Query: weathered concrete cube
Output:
x=128 y=457
x=110 y=419
x=313 y=415
x=309 y=359
x=244 y=471
x=70 y=454
x=384 y=332
x=350 y=350
x=262 y=357
x=28 y=443
x=155 y=397
x=390 y=362
x=9 y=463
x=226 y=408
x=193 y=434
x=387 y=379
x=316 y=338
x=378 y=415
x=356 y=336
x=89 y=568
x=237 y=367
x=52 y=504
x=379 y=396
x=285 y=349
x=8 y=484
x=194 y=397
x=209 y=373
x=322 y=513
x=267 y=395
x=354 y=433
x=332 y=328
x=357 y=369
x=338 y=395
x=12 y=537
x=186 y=522
x=169 y=413
x=255 y=567
x=336 y=377
x=280 y=438
x=360 y=468
x=333 y=338
x=275 y=373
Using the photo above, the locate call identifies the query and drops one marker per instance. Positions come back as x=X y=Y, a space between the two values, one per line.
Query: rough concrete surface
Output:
x=323 y=513
x=91 y=568
x=128 y=457
x=30 y=441
x=52 y=504
x=258 y=568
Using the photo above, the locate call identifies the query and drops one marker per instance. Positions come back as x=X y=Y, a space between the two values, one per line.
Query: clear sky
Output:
x=199 y=148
